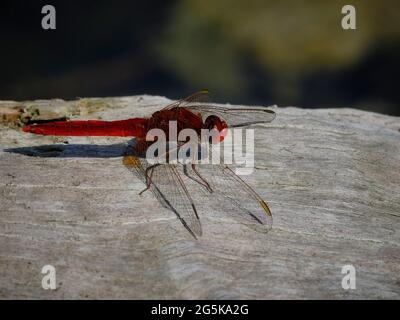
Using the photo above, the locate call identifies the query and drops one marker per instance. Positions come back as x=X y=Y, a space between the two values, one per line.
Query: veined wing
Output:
x=245 y=202
x=234 y=117
x=225 y=183
x=168 y=182
x=169 y=188
x=199 y=102
x=201 y=96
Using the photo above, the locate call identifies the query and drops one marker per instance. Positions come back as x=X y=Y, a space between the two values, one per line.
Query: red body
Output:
x=123 y=128
x=136 y=127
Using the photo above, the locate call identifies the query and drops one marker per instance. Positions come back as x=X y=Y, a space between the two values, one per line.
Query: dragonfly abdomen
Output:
x=135 y=127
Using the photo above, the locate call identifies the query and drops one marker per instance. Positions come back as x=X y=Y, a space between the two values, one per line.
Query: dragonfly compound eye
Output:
x=214 y=122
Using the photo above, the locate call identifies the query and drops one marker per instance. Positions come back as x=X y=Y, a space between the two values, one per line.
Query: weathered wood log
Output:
x=330 y=176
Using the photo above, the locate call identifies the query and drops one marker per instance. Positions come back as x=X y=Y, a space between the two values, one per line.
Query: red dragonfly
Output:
x=165 y=180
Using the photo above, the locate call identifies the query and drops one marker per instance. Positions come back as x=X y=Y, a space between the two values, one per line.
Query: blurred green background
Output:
x=252 y=52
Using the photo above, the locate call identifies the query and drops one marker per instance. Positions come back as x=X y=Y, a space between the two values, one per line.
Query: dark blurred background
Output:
x=250 y=52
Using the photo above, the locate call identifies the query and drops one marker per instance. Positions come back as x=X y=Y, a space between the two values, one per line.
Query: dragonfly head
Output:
x=214 y=122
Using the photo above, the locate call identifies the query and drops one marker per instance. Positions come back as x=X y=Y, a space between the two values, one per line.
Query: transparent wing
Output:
x=201 y=96
x=244 y=201
x=231 y=191
x=168 y=182
x=199 y=102
x=168 y=186
x=234 y=117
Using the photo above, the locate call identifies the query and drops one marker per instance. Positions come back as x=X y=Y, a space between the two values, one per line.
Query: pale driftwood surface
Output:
x=331 y=177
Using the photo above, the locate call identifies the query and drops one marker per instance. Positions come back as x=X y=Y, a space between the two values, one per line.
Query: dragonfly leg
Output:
x=207 y=185
x=148 y=178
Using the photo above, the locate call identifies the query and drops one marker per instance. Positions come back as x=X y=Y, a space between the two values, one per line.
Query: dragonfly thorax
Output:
x=185 y=119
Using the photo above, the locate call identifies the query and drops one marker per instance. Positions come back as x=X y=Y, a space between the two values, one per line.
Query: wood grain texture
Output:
x=330 y=176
